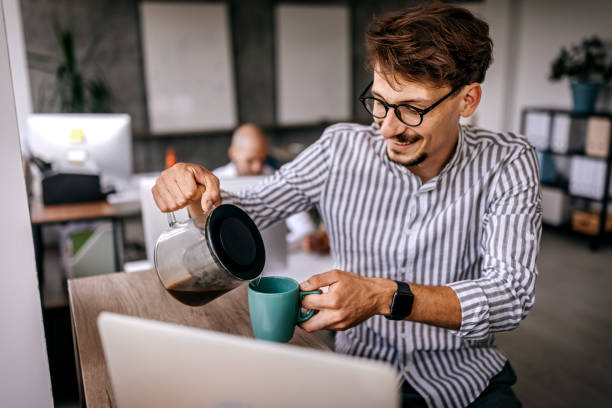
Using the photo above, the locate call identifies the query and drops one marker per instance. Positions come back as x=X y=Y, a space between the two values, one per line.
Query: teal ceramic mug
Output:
x=275 y=307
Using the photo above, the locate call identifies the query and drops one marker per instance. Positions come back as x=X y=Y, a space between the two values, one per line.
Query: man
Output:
x=248 y=153
x=434 y=226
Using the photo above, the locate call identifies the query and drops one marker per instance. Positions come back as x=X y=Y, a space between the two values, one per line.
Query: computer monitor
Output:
x=98 y=142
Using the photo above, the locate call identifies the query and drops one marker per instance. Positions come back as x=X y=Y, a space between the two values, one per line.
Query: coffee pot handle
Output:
x=171 y=219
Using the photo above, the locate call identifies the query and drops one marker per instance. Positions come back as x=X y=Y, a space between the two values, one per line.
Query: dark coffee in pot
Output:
x=191 y=293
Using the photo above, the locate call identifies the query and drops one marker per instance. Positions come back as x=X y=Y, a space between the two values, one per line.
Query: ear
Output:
x=471 y=98
x=230 y=153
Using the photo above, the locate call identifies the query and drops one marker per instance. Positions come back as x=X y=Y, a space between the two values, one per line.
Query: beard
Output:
x=405 y=138
x=416 y=161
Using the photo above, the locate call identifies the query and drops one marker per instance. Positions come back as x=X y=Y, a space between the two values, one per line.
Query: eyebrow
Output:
x=406 y=101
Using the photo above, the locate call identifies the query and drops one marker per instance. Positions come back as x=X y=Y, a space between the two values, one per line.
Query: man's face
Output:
x=431 y=143
x=249 y=159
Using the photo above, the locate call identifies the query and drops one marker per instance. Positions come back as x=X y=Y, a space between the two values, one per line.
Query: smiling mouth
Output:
x=406 y=142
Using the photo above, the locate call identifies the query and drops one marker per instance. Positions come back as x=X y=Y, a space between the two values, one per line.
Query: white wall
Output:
x=24 y=369
x=527 y=35
x=313 y=73
x=546 y=26
x=490 y=113
x=19 y=66
x=188 y=66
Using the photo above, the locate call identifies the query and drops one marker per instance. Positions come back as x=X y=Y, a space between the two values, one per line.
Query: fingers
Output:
x=211 y=195
x=317 y=242
x=188 y=185
x=178 y=197
x=179 y=185
x=350 y=300
x=320 y=280
x=327 y=320
x=319 y=321
x=162 y=198
x=323 y=301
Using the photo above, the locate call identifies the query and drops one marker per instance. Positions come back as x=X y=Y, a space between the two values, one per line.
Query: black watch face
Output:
x=402 y=302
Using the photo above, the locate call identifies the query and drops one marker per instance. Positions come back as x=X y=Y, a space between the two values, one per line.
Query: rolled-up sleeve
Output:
x=295 y=187
x=505 y=292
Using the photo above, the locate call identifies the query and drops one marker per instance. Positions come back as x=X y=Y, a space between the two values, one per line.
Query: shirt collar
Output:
x=434 y=182
x=458 y=150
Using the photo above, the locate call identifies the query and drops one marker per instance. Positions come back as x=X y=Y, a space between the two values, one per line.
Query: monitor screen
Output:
x=99 y=142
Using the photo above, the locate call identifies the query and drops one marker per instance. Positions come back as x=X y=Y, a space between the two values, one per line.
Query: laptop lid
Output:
x=155 y=364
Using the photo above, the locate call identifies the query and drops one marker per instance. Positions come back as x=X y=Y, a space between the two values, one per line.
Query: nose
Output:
x=391 y=125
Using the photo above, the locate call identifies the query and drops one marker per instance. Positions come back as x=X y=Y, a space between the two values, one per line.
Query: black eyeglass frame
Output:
x=421 y=112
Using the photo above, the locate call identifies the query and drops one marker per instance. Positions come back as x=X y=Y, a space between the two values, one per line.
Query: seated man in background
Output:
x=248 y=153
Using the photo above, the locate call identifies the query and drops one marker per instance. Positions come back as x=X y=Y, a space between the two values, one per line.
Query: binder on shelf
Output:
x=587 y=222
x=563 y=166
x=537 y=129
x=548 y=174
x=554 y=169
x=587 y=177
x=598 y=137
x=556 y=209
x=568 y=134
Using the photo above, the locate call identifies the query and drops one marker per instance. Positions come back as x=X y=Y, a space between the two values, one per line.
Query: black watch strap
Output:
x=401 y=305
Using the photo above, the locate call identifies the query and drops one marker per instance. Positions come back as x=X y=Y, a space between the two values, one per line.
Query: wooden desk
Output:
x=41 y=215
x=48 y=214
x=141 y=294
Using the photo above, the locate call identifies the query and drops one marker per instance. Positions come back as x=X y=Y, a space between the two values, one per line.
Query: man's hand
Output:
x=350 y=299
x=317 y=242
x=189 y=185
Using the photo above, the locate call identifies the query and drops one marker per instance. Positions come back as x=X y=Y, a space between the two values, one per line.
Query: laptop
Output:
x=155 y=364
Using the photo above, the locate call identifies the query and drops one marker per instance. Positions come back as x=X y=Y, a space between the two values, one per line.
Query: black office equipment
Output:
x=65 y=188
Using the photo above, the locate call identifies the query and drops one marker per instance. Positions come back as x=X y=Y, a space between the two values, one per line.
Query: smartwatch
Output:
x=401 y=305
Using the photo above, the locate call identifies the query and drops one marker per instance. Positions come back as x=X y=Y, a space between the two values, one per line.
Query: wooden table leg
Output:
x=39 y=255
x=118 y=242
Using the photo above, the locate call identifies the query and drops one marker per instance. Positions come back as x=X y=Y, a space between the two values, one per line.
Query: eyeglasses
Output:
x=409 y=115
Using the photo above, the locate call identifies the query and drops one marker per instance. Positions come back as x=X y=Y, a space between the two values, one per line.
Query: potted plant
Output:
x=76 y=89
x=586 y=65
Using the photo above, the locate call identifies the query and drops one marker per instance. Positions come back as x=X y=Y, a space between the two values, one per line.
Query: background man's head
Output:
x=248 y=150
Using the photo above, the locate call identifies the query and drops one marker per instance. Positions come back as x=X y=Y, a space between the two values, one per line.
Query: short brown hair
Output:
x=434 y=42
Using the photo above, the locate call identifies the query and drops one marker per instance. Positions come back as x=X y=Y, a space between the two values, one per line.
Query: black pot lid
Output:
x=235 y=241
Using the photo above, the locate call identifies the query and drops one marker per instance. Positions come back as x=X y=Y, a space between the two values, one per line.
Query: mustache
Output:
x=405 y=138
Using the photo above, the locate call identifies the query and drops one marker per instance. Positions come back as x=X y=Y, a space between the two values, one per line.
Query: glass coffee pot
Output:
x=207 y=256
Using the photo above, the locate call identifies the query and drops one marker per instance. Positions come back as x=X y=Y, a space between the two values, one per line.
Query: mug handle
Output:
x=303 y=317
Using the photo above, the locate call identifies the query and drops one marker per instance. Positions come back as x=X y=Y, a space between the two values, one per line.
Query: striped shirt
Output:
x=475 y=227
